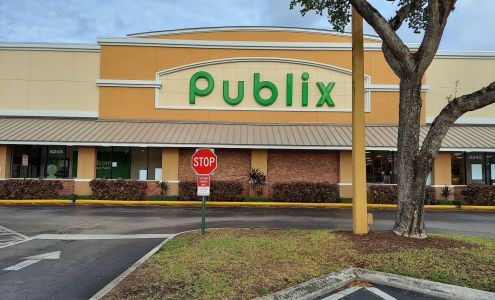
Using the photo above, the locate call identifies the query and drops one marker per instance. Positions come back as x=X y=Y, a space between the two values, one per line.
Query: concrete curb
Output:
x=315 y=288
x=323 y=286
x=221 y=203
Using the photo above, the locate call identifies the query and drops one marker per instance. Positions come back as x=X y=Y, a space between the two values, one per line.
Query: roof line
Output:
x=67 y=47
x=247 y=28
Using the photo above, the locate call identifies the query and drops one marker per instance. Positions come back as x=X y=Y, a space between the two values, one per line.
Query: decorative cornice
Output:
x=129 y=83
x=64 y=47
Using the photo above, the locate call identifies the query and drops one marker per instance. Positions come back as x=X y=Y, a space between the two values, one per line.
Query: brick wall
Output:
x=302 y=165
x=233 y=164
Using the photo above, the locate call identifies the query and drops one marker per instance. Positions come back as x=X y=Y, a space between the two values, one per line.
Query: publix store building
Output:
x=275 y=99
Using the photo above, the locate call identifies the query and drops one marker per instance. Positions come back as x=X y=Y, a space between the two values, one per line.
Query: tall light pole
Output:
x=359 y=202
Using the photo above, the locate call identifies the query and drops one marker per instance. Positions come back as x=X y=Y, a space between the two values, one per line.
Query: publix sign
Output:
x=322 y=99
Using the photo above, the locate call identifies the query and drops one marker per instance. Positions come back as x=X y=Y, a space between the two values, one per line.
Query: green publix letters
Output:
x=258 y=85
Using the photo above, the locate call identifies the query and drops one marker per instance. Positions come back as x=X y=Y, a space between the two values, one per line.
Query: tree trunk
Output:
x=413 y=168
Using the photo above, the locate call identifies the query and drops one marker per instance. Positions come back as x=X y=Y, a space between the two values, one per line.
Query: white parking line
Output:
x=343 y=293
x=380 y=293
x=13 y=232
x=100 y=236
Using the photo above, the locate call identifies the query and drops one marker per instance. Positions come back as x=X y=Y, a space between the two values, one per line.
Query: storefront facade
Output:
x=274 y=99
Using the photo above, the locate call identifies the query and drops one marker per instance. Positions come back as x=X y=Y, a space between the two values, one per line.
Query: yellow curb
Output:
x=221 y=203
x=36 y=201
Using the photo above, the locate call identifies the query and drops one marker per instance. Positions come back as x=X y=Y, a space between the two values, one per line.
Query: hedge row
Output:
x=30 y=189
x=387 y=194
x=220 y=191
x=479 y=194
x=118 y=189
x=320 y=192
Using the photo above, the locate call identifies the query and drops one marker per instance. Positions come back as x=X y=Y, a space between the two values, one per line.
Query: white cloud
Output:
x=470 y=26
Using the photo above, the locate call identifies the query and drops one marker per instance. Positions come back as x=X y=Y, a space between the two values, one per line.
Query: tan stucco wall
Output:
x=86 y=163
x=471 y=74
x=260 y=35
x=170 y=169
x=4 y=161
x=48 y=81
x=442 y=169
x=259 y=160
x=142 y=63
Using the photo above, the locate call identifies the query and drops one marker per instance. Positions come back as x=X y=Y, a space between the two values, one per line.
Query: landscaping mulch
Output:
x=387 y=241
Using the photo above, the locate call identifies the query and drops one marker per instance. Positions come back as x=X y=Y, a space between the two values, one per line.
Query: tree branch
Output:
x=394 y=43
x=403 y=13
x=450 y=113
x=438 y=13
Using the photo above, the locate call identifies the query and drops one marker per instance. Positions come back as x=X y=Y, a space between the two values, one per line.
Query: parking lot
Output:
x=71 y=252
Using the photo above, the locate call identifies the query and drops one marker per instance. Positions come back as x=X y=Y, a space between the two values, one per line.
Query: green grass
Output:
x=245 y=263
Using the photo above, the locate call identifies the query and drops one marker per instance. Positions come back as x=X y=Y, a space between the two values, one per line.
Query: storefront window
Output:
x=113 y=162
x=57 y=165
x=458 y=168
x=146 y=163
x=27 y=154
x=475 y=168
x=380 y=167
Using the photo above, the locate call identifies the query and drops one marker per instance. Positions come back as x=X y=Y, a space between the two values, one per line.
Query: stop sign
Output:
x=204 y=161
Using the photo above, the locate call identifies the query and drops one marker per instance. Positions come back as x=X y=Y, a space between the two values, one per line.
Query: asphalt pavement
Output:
x=72 y=251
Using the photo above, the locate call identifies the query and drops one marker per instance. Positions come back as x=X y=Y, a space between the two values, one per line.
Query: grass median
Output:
x=245 y=263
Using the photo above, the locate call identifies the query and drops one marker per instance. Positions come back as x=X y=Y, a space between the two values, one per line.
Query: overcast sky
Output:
x=471 y=26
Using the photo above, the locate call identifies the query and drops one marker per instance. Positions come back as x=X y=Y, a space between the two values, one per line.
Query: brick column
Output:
x=170 y=169
x=4 y=161
x=259 y=160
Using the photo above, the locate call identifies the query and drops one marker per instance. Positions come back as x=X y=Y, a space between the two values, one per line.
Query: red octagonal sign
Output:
x=204 y=161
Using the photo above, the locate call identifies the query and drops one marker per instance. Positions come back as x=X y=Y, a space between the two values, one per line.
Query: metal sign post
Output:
x=204 y=162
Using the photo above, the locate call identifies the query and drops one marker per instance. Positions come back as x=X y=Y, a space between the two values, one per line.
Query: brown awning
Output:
x=222 y=135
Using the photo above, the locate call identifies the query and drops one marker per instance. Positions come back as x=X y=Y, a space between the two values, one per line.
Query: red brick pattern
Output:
x=233 y=164
x=303 y=165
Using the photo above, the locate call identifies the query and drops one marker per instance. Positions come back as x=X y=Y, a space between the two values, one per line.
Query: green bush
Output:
x=257 y=199
x=479 y=194
x=382 y=194
x=220 y=191
x=319 y=192
x=104 y=189
x=30 y=189
x=430 y=197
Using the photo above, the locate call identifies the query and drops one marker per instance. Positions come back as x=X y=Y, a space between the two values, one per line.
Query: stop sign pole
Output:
x=204 y=163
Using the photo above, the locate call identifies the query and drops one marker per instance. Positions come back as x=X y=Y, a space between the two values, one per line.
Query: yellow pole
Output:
x=359 y=202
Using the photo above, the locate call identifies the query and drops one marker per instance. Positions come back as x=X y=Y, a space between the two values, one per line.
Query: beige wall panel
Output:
x=67 y=66
x=175 y=86
x=4 y=161
x=63 y=95
x=49 y=81
x=14 y=64
x=124 y=62
x=271 y=36
x=471 y=75
x=14 y=94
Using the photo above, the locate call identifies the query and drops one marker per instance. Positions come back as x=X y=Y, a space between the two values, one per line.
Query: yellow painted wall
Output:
x=259 y=160
x=86 y=163
x=471 y=74
x=345 y=174
x=142 y=63
x=4 y=161
x=170 y=169
x=260 y=35
x=442 y=169
x=48 y=81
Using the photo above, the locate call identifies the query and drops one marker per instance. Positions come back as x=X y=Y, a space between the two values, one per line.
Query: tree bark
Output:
x=413 y=168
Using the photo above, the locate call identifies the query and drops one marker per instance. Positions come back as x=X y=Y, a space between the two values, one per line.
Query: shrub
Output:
x=257 y=179
x=220 y=191
x=118 y=189
x=75 y=197
x=30 y=189
x=446 y=192
x=382 y=194
x=163 y=188
x=430 y=195
x=319 y=192
x=479 y=194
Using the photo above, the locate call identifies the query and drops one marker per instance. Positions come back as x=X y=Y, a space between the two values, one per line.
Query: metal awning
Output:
x=86 y=132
